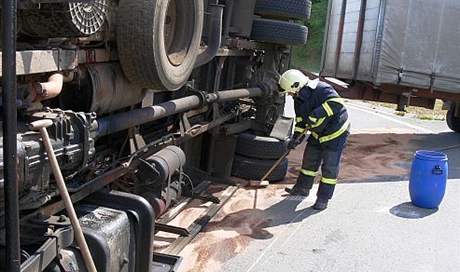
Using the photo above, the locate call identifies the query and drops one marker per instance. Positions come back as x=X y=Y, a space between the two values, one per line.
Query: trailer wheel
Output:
x=260 y=147
x=279 y=32
x=158 y=41
x=284 y=9
x=255 y=169
x=452 y=121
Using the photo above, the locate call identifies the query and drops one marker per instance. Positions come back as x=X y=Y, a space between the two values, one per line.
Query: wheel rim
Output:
x=178 y=31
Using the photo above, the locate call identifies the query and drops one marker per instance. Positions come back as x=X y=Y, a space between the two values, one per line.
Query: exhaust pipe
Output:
x=46 y=90
x=227 y=17
x=214 y=36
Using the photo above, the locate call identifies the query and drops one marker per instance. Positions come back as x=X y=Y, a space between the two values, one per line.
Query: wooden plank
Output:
x=196 y=227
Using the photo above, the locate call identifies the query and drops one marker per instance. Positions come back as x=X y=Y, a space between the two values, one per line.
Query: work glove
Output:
x=296 y=139
x=311 y=121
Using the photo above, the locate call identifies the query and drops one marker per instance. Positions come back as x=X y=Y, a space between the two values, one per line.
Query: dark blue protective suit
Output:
x=322 y=112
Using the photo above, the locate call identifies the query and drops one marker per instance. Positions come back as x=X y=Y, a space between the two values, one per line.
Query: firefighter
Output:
x=320 y=111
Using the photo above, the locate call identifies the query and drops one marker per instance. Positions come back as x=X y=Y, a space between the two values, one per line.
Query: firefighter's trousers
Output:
x=328 y=154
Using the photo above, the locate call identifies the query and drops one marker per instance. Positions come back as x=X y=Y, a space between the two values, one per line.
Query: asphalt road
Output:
x=370 y=224
x=380 y=122
x=424 y=134
x=368 y=227
x=367 y=116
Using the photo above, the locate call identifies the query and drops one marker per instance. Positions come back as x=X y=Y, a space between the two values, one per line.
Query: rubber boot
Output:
x=320 y=204
x=297 y=191
x=302 y=187
x=325 y=192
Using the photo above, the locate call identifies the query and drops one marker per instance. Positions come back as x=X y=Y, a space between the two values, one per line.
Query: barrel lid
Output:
x=431 y=155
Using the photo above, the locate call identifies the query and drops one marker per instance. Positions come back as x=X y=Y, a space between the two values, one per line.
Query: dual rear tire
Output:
x=279 y=32
x=255 y=155
x=284 y=9
x=276 y=24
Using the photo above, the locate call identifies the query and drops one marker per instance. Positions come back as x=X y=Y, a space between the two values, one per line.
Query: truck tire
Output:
x=278 y=32
x=452 y=121
x=258 y=147
x=158 y=41
x=284 y=9
x=255 y=169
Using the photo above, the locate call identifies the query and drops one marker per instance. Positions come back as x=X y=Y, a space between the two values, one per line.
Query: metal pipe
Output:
x=228 y=17
x=230 y=95
x=47 y=90
x=114 y=123
x=41 y=126
x=214 y=36
x=225 y=96
x=9 y=84
x=118 y=122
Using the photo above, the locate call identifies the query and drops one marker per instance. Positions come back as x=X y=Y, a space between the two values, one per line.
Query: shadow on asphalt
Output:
x=253 y=222
x=408 y=211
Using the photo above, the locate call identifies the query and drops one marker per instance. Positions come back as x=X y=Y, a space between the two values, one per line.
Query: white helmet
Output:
x=292 y=81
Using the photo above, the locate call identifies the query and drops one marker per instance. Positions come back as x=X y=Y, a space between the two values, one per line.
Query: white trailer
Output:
x=404 y=52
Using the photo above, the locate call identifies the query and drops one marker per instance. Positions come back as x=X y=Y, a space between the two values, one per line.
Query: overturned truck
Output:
x=141 y=101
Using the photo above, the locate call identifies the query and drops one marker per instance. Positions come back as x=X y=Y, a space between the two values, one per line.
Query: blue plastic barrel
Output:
x=428 y=179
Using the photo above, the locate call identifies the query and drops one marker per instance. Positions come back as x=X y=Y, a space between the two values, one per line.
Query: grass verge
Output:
x=418 y=112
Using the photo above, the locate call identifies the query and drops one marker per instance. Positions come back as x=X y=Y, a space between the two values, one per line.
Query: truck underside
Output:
x=146 y=100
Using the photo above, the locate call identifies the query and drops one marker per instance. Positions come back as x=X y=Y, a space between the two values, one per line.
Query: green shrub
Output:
x=309 y=56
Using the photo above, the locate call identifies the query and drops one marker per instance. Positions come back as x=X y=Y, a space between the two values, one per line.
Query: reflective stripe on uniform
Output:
x=308 y=173
x=315 y=135
x=299 y=119
x=336 y=134
x=313 y=119
x=329 y=181
x=319 y=123
x=299 y=129
x=328 y=109
x=338 y=100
